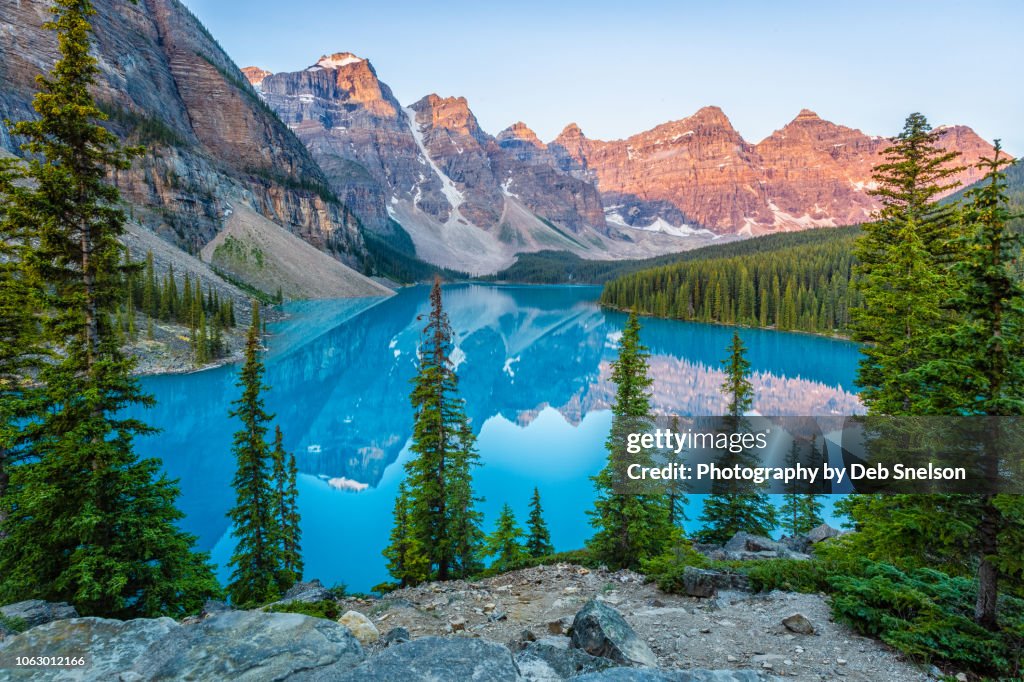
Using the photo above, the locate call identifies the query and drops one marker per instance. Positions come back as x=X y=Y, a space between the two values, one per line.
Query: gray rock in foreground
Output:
x=552 y=658
x=601 y=631
x=109 y=647
x=438 y=659
x=250 y=645
x=38 y=612
x=697 y=675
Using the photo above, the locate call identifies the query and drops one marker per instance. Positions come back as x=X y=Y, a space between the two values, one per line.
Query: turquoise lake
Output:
x=533 y=366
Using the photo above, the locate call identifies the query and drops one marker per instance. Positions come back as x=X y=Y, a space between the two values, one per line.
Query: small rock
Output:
x=310 y=592
x=732 y=659
x=490 y=606
x=698 y=582
x=360 y=626
x=799 y=624
x=457 y=624
x=601 y=631
x=821 y=533
x=396 y=636
x=657 y=603
x=841 y=661
x=559 y=627
x=961 y=677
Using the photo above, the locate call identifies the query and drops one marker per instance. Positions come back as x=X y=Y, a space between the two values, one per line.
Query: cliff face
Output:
x=700 y=171
x=211 y=141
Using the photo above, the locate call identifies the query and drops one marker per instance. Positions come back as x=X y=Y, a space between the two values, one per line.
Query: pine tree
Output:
x=736 y=506
x=258 y=556
x=284 y=472
x=538 y=539
x=505 y=544
x=677 y=489
x=440 y=520
x=89 y=523
x=407 y=560
x=901 y=259
x=801 y=508
x=629 y=528
x=976 y=369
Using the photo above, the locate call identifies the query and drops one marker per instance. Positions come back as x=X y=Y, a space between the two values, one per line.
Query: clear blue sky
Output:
x=618 y=68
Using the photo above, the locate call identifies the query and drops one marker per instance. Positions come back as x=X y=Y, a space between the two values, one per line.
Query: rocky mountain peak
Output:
x=255 y=75
x=450 y=113
x=807 y=115
x=570 y=132
x=710 y=116
x=520 y=132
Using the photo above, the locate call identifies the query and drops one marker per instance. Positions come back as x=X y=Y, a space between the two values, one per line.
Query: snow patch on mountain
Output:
x=659 y=225
x=336 y=61
x=448 y=188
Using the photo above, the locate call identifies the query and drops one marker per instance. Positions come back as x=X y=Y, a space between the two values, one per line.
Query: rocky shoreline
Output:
x=539 y=624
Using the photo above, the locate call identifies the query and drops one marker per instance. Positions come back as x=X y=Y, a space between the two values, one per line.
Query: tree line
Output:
x=160 y=299
x=807 y=288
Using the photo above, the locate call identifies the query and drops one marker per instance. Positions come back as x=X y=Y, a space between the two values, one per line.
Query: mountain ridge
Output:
x=665 y=189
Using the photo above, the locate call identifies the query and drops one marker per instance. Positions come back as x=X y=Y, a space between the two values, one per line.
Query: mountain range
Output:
x=328 y=154
x=465 y=195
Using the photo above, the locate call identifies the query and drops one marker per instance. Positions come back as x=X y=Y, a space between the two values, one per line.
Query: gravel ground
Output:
x=734 y=630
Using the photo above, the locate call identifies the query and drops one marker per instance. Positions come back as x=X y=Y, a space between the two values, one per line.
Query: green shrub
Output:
x=318 y=609
x=928 y=615
x=667 y=570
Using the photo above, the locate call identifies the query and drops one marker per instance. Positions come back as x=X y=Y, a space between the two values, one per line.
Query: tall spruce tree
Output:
x=284 y=472
x=258 y=557
x=505 y=544
x=538 y=539
x=902 y=256
x=975 y=368
x=88 y=522
x=440 y=518
x=733 y=507
x=630 y=528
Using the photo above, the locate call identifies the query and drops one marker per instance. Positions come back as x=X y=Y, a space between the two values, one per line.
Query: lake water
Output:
x=533 y=366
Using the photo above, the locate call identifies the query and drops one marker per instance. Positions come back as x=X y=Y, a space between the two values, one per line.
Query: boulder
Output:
x=250 y=645
x=698 y=582
x=822 y=533
x=310 y=592
x=695 y=675
x=438 y=659
x=799 y=624
x=37 y=612
x=552 y=658
x=745 y=542
x=109 y=646
x=360 y=626
x=798 y=543
x=601 y=631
